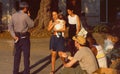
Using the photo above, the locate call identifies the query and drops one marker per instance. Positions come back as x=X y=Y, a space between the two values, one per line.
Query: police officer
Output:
x=18 y=27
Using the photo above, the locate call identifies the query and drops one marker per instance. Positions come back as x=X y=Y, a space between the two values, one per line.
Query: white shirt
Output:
x=100 y=50
x=72 y=19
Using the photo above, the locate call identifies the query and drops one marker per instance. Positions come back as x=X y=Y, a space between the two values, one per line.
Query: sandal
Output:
x=52 y=72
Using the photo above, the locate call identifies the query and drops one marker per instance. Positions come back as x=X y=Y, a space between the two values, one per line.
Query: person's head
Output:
x=79 y=41
x=54 y=15
x=90 y=39
x=23 y=6
x=70 y=11
x=60 y=16
x=113 y=38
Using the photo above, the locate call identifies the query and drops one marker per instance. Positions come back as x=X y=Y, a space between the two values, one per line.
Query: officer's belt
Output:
x=22 y=35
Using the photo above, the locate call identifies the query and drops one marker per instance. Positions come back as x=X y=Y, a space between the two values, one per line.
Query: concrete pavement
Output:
x=39 y=60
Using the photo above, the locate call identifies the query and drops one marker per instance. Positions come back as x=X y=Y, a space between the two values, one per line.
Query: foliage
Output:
x=5 y=35
x=42 y=20
x=115 y=30
x=101 y=28
x=41 y=34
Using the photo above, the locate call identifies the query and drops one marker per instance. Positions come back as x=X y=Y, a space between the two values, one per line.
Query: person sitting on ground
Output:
x=84 y=56
x=110 y=47
x=98 y=51
x=90 y=42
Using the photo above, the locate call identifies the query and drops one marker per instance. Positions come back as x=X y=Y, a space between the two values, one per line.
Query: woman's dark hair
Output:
x=92 y=39
x=55 y=11
x=70 y=8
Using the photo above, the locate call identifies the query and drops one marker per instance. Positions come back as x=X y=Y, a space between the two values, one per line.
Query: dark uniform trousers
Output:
x=23 y=45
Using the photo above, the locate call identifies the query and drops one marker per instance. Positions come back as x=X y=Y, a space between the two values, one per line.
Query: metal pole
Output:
x=106 y=11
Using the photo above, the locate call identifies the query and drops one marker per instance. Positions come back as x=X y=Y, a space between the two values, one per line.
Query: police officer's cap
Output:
x=23 y=4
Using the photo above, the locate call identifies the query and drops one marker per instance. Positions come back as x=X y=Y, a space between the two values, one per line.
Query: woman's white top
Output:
x=101 y=58
x=72 y=19
x=100 y=50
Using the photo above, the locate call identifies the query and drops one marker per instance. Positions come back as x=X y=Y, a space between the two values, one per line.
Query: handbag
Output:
x=82 y=32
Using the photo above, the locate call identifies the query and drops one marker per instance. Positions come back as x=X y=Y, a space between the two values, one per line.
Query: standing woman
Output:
x=74 y=23
x=57 y=26
x=74 y=28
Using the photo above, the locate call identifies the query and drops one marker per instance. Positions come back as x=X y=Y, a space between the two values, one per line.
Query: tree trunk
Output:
x=42 y=19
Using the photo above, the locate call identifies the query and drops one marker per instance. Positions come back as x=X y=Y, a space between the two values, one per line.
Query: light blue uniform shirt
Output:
x=20 y=22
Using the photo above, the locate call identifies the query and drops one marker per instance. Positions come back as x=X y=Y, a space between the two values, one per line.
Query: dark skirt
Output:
x=57 y=44
x=72 y=30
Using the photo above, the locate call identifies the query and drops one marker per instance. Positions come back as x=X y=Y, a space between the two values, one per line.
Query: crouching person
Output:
x=84 y=56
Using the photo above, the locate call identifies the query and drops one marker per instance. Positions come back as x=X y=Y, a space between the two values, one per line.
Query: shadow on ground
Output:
x=47 y=60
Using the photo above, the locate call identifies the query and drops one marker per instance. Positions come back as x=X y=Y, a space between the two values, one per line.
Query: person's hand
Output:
x=28 y=13
x=16 y=39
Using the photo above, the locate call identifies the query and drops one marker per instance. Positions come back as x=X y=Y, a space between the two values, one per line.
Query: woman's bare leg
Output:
x=53 y=59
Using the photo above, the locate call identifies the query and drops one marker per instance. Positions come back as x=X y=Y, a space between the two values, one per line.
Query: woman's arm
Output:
x=50 y=25
x=70 y=63
x=78 y=25
x=94 y=50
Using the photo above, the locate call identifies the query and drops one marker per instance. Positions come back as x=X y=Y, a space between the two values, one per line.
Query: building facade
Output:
x=97 y=11
x=92 y=10
x=101 y=11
